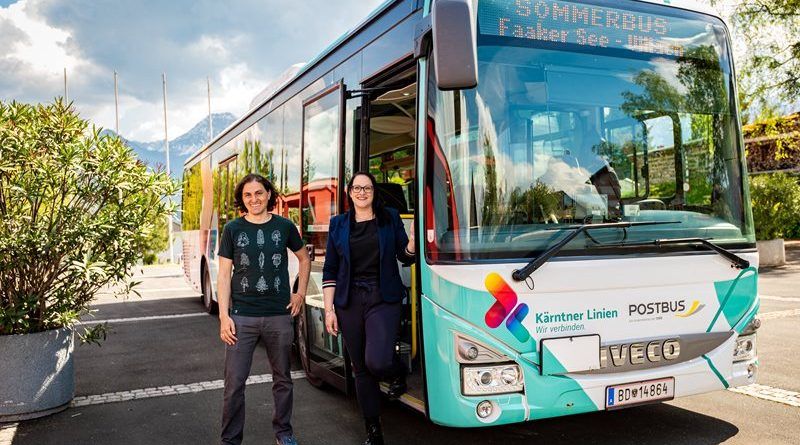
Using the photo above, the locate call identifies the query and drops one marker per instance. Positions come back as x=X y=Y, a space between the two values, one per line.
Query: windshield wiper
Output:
x=525 y=272
x=736 y=260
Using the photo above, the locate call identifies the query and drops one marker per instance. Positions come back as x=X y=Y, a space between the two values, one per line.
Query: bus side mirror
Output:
x=455 y=45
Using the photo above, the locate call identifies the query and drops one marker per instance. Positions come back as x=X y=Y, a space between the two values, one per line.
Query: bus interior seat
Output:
x=393 y=196
x=651 y=204
x=606 y=182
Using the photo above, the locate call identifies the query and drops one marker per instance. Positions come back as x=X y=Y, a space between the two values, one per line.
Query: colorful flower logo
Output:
x=506 y=304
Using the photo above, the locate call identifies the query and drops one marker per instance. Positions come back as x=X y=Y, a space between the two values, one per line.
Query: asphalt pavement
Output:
x=157 y=380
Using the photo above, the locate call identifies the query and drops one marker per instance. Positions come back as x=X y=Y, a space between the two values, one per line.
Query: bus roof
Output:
x=690 y=5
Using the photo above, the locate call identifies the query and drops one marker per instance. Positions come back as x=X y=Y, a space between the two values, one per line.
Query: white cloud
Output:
x=240 y=46
x=43 y=48
x=212 y=46
x=240 y=84
x=35 y=55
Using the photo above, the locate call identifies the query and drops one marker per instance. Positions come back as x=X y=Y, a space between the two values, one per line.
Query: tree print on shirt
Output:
x=260 y=238
x=261 y=286
x=276 y=237
x=242 y=240
x=276 y=259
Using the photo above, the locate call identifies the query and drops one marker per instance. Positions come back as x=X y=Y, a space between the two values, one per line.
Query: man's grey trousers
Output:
x=277 y=334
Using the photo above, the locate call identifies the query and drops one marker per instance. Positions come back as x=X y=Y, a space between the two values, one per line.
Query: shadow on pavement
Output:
x=653 y=424
x=151 y=354
x=329 y=417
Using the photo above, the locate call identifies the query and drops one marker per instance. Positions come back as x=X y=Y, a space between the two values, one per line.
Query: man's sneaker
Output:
x=286 y=440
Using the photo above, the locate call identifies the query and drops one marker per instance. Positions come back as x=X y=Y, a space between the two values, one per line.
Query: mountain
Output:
x=180 y=148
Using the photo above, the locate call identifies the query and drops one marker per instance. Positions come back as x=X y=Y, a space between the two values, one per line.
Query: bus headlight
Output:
x=510 y=375
x=745 y=348
x=500 y=379
x=470 y=351
x=484 y=409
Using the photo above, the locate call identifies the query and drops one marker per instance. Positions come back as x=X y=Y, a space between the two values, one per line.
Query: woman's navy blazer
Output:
x=392 y=239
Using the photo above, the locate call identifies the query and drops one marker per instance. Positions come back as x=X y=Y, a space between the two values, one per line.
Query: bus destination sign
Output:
x=588 y=25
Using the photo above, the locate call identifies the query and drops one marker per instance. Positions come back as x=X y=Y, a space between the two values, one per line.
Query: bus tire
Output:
x=208 y=300
x=202 y=296
x=301 y=336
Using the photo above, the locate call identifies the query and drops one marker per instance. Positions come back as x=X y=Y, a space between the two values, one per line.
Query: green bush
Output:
x=157 y=242
x=76 y=211
x=149 y=258
x=794 y=233
x=776 y=205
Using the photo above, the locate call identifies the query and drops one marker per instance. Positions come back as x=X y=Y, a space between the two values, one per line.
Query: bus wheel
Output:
x=208 y=301
x=301 y=334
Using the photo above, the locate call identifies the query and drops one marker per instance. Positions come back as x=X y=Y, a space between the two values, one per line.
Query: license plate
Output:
x=637 y=393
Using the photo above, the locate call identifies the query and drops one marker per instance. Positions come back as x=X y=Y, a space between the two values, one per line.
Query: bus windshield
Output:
x=586 y=114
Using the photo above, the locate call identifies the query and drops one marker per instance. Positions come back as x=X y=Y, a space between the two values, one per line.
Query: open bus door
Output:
x=387 y=149
x=385 y=122
x=322 y=355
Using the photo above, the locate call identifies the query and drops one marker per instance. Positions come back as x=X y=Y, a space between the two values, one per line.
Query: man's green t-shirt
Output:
x=260 y=281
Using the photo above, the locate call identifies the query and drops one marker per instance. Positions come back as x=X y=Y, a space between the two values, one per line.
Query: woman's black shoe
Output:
x=374 y=431
x=397 y=387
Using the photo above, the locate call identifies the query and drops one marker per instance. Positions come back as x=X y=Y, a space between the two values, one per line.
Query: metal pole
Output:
x=210 y=125
x=166 y=149
x=66 y=98
x=116 y=102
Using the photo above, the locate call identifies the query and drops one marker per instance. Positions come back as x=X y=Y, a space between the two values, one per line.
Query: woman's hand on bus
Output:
x=331 y=323
x=227 y=330
x=295 y=304
x=411 y=247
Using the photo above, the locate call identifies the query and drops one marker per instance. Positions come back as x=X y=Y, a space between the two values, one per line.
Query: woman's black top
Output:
x=365 y=250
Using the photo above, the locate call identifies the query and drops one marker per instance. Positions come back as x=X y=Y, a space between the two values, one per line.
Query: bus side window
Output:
x=224 y=187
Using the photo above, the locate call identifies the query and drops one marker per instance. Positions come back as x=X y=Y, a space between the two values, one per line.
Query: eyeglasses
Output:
x=358 y=189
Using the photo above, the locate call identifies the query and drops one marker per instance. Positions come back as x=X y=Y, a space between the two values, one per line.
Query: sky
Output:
x=239 y=45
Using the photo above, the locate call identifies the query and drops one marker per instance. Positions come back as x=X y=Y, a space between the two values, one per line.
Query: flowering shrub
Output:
x=76 y=210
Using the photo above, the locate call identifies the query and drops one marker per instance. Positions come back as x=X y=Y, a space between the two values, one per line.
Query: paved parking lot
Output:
x=157 y=380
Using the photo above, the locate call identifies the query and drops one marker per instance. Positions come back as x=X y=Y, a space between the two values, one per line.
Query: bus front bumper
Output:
x=545 y=396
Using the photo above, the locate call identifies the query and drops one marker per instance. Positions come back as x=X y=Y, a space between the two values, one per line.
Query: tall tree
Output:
x=771 y=69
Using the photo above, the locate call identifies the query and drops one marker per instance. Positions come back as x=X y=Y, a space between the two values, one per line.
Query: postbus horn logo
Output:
x=506 y=304
x=696 y=307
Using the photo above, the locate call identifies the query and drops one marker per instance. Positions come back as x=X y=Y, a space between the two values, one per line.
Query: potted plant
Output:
x=776 y=212
x=76 y=209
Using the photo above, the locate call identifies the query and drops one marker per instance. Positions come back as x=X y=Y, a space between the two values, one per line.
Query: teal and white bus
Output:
x=575 y=175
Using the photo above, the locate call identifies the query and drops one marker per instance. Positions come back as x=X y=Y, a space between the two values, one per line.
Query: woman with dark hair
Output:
x=254 y=274
x=363 y=293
